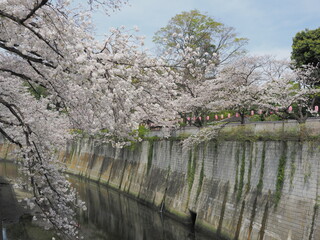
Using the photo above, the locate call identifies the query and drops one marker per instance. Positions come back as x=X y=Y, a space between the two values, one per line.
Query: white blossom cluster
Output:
x=259 y=83
x=56 y=78
x=204 y=135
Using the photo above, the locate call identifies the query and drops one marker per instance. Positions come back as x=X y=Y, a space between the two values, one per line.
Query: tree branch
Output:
x=9 y=138
x=24 y=56
x=21 y=22
x=13 y=18
x=43 y=2
x=24 y=77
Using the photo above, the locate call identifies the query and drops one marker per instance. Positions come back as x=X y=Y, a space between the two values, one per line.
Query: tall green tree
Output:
x=196 y=44
x=305 y=54
x=306 y=48
x=194 y=30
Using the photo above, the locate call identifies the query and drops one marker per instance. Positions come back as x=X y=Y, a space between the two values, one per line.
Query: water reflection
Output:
x=113 y=216
x=8 y=169
x=4 y=234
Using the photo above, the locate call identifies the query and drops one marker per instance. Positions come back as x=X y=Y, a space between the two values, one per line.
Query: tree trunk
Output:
x=242 y=120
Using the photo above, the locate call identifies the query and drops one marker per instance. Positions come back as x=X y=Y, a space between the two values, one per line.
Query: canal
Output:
x=110 y=216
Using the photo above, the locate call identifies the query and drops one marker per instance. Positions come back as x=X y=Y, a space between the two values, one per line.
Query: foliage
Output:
x=306 y=48
x=182 y=124
x=195 y=45
x=236 y=184
x=272 y=117
x=54 y=76
x=150 y=156
x=239 y=85
x=201 y=178
x=195 y=30
x=204 y=135
x=280 y=176
x=297 y=89
x=306 y=52
x=141 y=132
x=263 y=157
x=192 y=167
x=255 y=118
x=248 y=184
x=242 y=171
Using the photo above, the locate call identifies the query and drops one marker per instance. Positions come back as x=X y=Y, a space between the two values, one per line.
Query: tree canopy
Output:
x=55 y=77
x=195 y=45
x=306 y=48
x=199 y=31
x=106 y=88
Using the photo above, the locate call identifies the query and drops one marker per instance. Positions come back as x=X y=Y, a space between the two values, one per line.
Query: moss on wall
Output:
x=248 y=185
x=237 y=158
x=263 y=157
x=150 y=156
x=242 y=171
x=192 y=161
x=293 y=164
x=281 y=173
x=201 y=177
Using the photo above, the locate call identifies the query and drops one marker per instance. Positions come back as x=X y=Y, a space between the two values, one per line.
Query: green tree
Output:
x=198 y=31
x=306 y=48
x=306 y=51
x=196 y=44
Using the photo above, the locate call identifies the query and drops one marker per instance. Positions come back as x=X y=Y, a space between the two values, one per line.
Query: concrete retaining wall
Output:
x=265 y=190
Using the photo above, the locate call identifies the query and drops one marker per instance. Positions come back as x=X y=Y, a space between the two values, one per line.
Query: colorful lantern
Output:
x=229 y=115
x=200 y=118
x=222 y=116
x=316 y=108
x=290 y=109
x=216 y=117
x=252 y=112
x=208 y=118
x=260 y=112
x=188 y=118
x=237 y=114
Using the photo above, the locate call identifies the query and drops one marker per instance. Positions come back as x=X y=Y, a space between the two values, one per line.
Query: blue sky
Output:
x=269 y=25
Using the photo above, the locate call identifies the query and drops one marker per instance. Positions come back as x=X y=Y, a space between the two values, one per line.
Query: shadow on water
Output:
x=110 y=216
x=16 y=222
x=113 y=216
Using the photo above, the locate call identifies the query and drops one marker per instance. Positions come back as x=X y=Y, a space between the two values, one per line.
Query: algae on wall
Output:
x=263 y=157
x=242 y=171
x=233 y=184
x=281 y=173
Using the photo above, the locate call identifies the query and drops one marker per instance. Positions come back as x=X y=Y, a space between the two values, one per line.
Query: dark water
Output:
x=110 y=216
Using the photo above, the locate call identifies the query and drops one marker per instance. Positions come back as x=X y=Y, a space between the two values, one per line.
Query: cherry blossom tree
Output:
x=54 y=77
x=196 y=45
x=112 y=86
x=262 y=83
x=296 y=89
x=238 y=86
